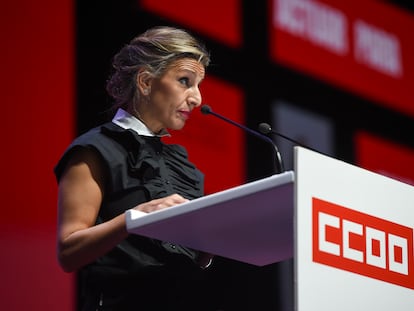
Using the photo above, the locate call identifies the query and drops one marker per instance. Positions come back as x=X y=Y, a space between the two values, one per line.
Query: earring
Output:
x=145 y=92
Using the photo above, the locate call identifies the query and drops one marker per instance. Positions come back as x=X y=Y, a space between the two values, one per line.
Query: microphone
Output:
x=278 y=165
x=265 y=128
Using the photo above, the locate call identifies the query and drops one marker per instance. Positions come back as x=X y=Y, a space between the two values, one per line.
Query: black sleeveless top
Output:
x=133 y=274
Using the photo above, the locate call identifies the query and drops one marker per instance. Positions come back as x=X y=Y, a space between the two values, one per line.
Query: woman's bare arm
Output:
x=80 y=197
x=81 y=191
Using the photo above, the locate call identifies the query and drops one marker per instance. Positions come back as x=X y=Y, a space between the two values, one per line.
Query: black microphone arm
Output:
x=265 y=128
x=278 y=164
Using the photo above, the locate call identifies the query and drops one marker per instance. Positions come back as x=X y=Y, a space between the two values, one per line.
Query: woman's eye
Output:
x=184 y=81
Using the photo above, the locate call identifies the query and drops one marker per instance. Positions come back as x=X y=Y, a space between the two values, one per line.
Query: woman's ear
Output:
x=144 y=81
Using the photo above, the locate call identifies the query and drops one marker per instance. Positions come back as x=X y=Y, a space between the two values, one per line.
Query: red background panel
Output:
x=384 y=157
x=38 y=122
x=343 y=70
x=218 y=19
x=214 y=146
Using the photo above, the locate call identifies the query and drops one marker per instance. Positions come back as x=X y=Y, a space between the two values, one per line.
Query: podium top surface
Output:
x=251 y=223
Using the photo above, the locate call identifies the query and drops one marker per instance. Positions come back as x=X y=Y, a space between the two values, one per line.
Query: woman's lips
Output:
x=185 y=114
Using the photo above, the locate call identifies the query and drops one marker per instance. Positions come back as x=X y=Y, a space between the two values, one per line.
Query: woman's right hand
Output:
x=158 y=204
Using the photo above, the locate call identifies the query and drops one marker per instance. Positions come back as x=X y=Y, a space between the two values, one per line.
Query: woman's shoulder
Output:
x=94 y=139
x=95 y=134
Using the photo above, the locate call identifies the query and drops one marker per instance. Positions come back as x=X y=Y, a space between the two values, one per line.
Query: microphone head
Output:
x=205 y=109
x=265 y=128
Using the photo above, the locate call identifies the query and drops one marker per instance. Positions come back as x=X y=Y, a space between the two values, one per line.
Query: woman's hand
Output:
x=158 y=204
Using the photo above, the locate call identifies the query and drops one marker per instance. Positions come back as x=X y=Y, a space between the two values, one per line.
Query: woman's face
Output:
x=174 y=95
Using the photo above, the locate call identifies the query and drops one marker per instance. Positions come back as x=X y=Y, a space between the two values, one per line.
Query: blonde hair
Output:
x=153 y=50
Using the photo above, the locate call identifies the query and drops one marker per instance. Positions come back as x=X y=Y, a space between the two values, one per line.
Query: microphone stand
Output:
x=278 y=164
x=265 y=129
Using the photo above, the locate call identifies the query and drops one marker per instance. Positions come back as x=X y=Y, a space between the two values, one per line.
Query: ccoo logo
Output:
x=353 y=241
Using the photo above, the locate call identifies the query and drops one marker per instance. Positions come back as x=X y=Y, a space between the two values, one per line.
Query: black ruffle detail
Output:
x=161 y=169
x=184 y=175
x=140 y=161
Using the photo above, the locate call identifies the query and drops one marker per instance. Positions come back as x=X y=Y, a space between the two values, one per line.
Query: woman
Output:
x=122 y=165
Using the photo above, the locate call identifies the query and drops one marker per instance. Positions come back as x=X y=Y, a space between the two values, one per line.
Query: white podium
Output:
x=349 y=231
x=252 y=223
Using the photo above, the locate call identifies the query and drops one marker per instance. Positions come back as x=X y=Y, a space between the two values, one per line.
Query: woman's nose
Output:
x=196 y=98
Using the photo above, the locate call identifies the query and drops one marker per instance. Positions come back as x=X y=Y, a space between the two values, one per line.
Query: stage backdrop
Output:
x=36 y=84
